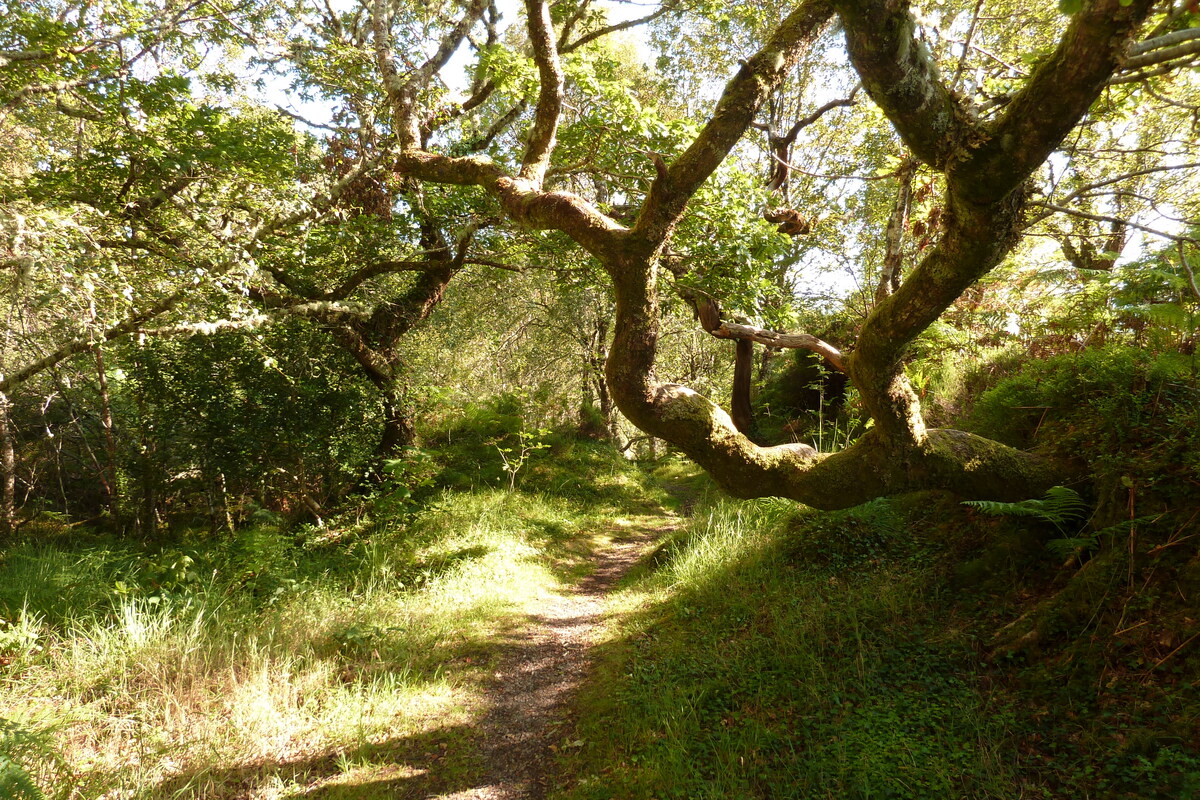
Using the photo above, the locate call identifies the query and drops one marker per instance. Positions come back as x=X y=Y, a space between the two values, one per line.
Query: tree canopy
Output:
x=738 y=160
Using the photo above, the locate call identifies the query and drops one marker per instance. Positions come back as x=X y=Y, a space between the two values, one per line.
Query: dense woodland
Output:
x=339 y=335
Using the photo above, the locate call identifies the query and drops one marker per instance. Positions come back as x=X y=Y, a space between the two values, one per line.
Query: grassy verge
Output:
x=342 y=661
x=775 y=652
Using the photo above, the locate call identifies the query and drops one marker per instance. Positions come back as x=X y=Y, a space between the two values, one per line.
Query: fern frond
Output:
x=24 y=750
x=1064 y=505
x=1025 y=508
x=17 y=783
x=1059 y=507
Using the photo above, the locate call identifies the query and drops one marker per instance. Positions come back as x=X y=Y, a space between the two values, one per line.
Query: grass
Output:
x=332 y=662
x=764 y=651
x=770 y=651
x=774 y=652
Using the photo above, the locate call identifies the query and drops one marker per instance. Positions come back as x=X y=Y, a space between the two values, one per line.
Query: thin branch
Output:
x=58 y=87
x=487 y=262
x=82 y=344
x=402 y=92
x=498 y=127
x=1187 y=267
x=804 y=122
x=1165 y=69
x=1108 y=181
x=792 y=341
x=1166 y=40
x=1105 y=218
x=306 y=122
x=1180 y=51
x=792 y=167
x=966 y=45
x=18 y=56
x=665 y=9
x=137 y=319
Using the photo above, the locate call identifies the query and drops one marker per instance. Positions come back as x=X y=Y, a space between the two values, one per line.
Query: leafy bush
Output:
x=1129 y=419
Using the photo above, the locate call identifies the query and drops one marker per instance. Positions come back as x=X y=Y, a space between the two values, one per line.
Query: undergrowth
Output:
x=271 y=662
x=919 y=648
x=777 y=652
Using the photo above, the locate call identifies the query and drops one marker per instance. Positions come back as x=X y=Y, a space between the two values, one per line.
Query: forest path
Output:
x=544 y=664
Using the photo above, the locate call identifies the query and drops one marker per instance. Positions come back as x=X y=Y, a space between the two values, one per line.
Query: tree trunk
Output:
x=111 y=475
x=147 y=515
x=606 y=404
x=8 y=472
x=223 y=503
x=743 y=366
x=398 y=429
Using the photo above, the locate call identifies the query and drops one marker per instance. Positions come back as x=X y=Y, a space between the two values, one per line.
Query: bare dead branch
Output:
x=1083 y=190
x=1189 y=48
x=1166 y=40
x=775 y=340
x=791 y=341
x=1074 y=212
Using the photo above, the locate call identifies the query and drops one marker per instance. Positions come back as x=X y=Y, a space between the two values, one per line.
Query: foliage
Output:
x=27 y=758
x=1125 y=416
x=1060 y=507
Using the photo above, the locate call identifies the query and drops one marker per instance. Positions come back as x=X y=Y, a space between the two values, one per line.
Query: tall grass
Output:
x=275 y=663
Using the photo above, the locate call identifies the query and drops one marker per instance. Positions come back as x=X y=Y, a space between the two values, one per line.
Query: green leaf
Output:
x=1073 y=6
x=1059 y=507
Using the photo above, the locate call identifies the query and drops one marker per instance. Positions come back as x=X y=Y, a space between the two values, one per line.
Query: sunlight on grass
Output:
x=348 y=662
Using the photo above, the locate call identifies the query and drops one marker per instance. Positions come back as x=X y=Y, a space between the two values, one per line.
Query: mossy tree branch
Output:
x=986 y=166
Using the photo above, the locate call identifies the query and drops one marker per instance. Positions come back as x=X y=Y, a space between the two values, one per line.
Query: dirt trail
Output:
x=543 y=668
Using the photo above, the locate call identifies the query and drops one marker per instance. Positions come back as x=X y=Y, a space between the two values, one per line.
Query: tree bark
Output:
x=8 y=471
x=398 y=430
x=743 y=369
x=986 y=166
x=111 y=473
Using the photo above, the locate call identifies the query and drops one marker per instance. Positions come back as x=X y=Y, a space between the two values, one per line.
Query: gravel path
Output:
x=544 y=666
